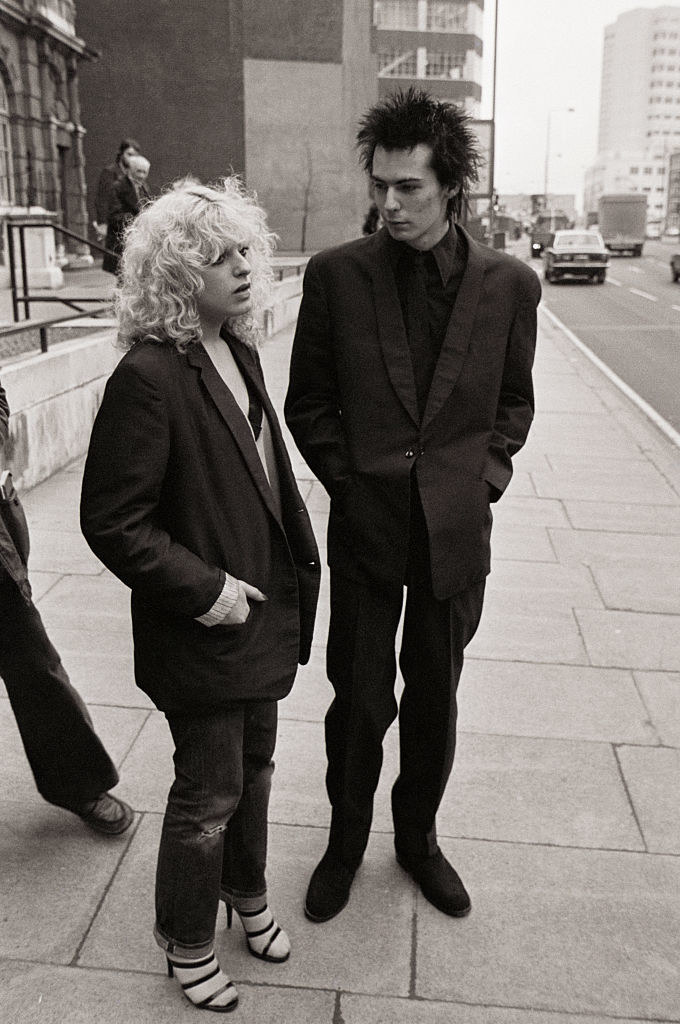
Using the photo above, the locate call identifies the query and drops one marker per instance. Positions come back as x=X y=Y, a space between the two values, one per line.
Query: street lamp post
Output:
x=555 y=110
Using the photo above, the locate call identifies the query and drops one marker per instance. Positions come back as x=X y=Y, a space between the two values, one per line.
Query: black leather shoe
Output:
x=328 y=889
x=439 y=883
x=107 y=814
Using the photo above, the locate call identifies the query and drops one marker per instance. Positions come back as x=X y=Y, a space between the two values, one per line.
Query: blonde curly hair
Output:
x=185 y=229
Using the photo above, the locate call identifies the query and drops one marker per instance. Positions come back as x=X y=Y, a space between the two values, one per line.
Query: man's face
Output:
x=408 y=195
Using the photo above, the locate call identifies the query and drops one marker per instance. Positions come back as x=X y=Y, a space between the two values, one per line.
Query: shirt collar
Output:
x=444 y=252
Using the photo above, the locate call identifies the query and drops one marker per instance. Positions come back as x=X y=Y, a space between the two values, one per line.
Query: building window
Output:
x=396 y=64
x=447 y=16
x=396 y=14
x=6 y=168
x=444 y=65
x=634 y=170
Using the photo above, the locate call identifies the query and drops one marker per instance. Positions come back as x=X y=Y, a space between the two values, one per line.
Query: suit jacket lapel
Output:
x=458 y=333
x=234 y=418
x=391 y=329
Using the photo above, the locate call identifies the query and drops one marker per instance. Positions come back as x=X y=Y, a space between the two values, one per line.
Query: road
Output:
x=632 y=322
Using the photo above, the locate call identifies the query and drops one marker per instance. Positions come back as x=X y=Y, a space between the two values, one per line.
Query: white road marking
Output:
x=612 y=280
x=645 y=295
x=646 y=408
x=635 y=270
x=676 y=307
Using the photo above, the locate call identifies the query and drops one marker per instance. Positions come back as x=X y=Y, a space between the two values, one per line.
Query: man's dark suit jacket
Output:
x=351 y=407
x=174 y=493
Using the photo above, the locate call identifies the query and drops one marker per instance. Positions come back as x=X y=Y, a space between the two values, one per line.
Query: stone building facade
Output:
x=271 y=89
x=41 y=133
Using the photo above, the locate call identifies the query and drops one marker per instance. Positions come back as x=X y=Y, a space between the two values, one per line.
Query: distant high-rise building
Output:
x=435 y=44
x=639 y=108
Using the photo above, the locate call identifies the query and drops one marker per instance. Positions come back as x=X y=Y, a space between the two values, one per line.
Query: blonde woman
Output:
x=190 y=499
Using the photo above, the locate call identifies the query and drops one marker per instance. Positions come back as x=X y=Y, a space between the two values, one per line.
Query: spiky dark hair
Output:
x=406 y=119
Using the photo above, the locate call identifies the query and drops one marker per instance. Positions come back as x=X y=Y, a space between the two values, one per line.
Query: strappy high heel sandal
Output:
x=266 y=940
x=204 y=983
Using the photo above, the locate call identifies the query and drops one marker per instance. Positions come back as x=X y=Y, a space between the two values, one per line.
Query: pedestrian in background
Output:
x=190 y=499
x=107 y=179
x=410 y=391
x=69 y=763
x=128 y=195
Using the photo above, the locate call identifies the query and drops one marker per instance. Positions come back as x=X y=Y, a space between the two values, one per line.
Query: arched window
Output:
x=6 y=171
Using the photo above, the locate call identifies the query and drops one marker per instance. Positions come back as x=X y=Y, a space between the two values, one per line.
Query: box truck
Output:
x=622 y=220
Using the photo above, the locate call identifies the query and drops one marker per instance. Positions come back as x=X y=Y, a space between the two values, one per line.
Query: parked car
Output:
x=576 y=254
x=675 y=266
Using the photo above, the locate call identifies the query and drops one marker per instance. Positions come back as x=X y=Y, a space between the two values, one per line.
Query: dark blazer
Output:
x=125 y=203
x=352 y=408
x=174 y=494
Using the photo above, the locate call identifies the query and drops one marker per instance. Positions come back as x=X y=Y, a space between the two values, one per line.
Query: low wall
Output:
x=54 y=397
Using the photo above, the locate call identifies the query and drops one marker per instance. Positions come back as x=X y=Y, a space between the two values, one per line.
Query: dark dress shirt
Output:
x=428 y=284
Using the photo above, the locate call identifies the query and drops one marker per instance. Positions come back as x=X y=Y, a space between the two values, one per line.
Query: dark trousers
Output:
x=68 y=761
x=361 y=665
x=214 y=838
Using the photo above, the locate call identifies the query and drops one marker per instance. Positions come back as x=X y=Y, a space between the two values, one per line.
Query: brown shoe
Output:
x=107 y=814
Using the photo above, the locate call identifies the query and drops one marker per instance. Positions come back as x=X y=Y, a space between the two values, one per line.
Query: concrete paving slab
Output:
x=652 y=775
x=553 y=701
x=661 y=694
x=593 y=546
x=566 y=432
x=624 y=518
x=566 y=393
x=636 y=640
x=557 y=792
x=644 y=486
x=107 y=680
x=54 y=873
x=521 y=485
x=523 y=631
x=541 y=585
x=74 y=995
x=519 y=541
x=121 y=937
x=638 y=585
x=83 y=640
x=312 y=694
x=42 y=582
x=93 y=602
x=62 y=551
x=378 y=1010
x=531 y=458
x=116 y=727
x=529 y=511
x=569 y=931
x=148 y=773
x=54 y=504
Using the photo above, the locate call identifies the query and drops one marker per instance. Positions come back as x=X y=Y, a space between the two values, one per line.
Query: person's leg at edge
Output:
x=243 y=884
x=70 y=765
x=204 y=796
x=361 y=666
x=434 y=638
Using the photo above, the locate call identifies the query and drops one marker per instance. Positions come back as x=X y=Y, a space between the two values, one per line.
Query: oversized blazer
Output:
x=11 y=562
x=174 y=495
x=352 y=408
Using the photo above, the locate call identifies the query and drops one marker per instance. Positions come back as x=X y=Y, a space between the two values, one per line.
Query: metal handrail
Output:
x=25 y=297
x=42 y=325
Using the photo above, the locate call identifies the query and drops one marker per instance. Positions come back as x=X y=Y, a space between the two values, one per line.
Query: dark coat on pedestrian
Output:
x=12 y=563
x=352 y=408
x=102 y=200
x=175 y=494
x=125 y=203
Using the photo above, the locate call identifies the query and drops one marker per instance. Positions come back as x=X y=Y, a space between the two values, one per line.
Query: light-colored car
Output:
x=579 y=254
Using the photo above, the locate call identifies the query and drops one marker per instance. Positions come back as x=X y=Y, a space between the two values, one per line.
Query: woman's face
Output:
x=226 y=291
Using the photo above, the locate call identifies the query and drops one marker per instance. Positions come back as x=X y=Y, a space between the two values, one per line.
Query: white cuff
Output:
x=223 y=605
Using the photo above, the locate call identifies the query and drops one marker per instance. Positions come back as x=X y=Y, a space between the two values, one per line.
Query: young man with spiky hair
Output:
x=410 y=391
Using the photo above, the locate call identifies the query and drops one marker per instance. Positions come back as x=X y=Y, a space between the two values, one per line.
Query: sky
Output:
x=549 y=59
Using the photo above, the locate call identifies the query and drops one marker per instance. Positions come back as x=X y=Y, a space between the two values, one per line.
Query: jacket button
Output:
x=409 y=453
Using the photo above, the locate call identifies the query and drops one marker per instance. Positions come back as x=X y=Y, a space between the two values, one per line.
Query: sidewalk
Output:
x=561 y=813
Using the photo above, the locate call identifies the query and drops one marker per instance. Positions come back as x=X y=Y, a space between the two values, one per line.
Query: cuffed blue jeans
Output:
x=214 y=838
